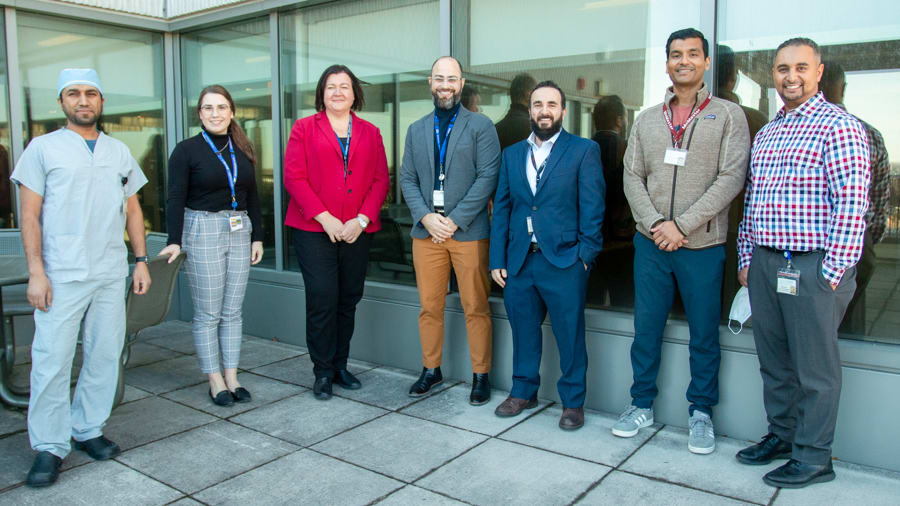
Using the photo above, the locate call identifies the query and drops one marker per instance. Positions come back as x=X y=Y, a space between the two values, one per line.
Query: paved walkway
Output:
x=376 y=445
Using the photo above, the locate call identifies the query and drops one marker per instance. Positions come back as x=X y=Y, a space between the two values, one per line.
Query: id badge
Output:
x=528 y=224
x=788 y=281
x=675 y=156
x=438 y=198
x=236 y=223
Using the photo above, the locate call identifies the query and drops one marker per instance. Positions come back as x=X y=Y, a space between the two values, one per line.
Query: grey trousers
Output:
x=796 y=341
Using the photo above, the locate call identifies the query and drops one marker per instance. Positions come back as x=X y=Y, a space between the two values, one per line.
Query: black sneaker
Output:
x=796 y=474
x=99 y=448
x=428 y=380
x=344 y=379
x=770 y=448
x=44 y=471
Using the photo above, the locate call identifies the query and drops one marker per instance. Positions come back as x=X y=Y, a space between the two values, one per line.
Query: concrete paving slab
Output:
x=304 y=477
x=165 y=329
x=180 y=340
x=299 y=370
x=854 y=485
x=400 y=446
x=12 y=420
x=167 y=375
x=202 y=457
x=500 y=472
x=386 y=387
x=304 y=420
x=415 y=495
x=16 y=457
x=144 y=353
x=186 y=501
x=452 y=408
x=134 y=394
x=263 y=390
x=256 y=352
x=592 y=442
x=150 y=419
x=624 y=488
x=108 y=483
x=666 y=457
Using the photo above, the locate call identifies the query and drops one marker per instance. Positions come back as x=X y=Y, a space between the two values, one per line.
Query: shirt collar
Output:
x=807 y=108
x=447 y=113
x=551 y=141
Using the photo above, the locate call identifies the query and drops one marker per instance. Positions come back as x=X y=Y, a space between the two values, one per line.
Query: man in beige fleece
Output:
x=686 y=160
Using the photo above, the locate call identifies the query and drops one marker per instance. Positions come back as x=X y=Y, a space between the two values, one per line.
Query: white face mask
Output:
x=740 y=309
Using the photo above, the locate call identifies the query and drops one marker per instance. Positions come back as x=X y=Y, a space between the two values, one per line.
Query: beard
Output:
x=82 y=119
x=446 y=103
x=545 y=133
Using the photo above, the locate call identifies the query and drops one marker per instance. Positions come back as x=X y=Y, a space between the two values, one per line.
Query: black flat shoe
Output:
x=241 y=394
x=770 y=448
x=796 y=474
x=99 y=448
x=44 y=471
x=344 y=379
x=429 y=379
x=222 y=398
x=481 y=389
x=322 y=388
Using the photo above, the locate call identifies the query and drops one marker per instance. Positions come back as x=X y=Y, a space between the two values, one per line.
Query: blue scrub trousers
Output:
x=52 y=421
x=699 y=277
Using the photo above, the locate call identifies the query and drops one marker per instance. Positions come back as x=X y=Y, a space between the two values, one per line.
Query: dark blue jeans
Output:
x=698 y=274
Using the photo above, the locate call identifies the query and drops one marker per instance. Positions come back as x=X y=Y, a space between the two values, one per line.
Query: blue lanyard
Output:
x=345 y=148
x=540 y=170
x=232 y=174
x=787 y=255
x=442 y=146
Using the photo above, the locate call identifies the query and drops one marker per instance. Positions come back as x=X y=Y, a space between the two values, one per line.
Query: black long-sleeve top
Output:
x=198 y=180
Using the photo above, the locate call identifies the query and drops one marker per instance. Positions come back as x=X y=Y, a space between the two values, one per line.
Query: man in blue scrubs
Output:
x=78 y=191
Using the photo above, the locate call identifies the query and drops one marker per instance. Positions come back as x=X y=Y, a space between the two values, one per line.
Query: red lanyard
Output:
x=677 y=135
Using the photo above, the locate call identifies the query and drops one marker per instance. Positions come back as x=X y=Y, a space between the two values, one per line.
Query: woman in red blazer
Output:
x=335 y=171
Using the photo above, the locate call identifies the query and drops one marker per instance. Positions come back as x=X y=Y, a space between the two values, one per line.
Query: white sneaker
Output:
x=633 y=420
x=702 y=438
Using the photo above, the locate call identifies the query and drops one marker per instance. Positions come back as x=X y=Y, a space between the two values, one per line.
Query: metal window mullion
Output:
x=14 y=87
x=277 y=125
x=445 y=27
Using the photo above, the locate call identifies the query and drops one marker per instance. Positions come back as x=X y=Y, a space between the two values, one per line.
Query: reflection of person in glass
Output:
x=545 y=235
x=470 y=98
x=78 y=190
x=449 y=171
x=516 y=126
x=213 y=213
x=335 y=171
x=726 y=80
x=797 y=246
x=686 y=160
x=6 y=211
x=833 y=85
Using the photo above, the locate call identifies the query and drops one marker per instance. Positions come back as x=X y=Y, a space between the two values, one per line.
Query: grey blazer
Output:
x=471 y=170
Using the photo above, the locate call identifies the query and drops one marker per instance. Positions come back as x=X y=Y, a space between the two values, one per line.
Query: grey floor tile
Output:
x=500 y=472
x=16 y=457
x=144 y=353
x=299 y=370
x=592 y=442
x=108 y=483
x=11 y=420
x=263 y=390
x=256 y=352
x=178 y=339
x=186 y=501
x=386 y=387
x=400 y=446
x=149 y=419
x=415 y=495
x=624 y=488
x=452 y=407
x=304 y=420
x=304 y=477
x=166 y=328
x=166 y=376
x=204 y=456
x=134 y=394
x=854 y=485
x=666 y=457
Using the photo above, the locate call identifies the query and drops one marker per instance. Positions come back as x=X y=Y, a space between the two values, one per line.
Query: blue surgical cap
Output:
x=69 y=77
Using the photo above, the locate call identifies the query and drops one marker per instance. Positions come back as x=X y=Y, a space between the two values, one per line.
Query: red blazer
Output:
x=314 y=173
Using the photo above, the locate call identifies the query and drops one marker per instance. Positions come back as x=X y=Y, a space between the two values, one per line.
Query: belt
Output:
x=793 y=253
x=534 y=247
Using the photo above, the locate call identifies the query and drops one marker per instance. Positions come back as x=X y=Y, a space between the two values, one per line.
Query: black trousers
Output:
x=334 y=275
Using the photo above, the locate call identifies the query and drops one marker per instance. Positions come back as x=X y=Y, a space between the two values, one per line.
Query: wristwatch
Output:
x=363 y=223
x=144 y=259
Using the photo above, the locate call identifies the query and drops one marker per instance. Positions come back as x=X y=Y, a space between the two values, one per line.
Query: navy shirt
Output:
x=444 y=116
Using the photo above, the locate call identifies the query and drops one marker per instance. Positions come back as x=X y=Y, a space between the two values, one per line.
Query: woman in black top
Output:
x=213 y=213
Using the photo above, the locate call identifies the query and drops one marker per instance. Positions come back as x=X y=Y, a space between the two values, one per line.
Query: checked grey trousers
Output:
x=217 y=267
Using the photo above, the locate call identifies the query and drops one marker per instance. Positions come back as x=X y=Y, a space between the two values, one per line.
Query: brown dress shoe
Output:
x=571 y=419
x=512 y=406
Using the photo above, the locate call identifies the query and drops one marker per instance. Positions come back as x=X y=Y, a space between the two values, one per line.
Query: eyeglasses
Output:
x=442 y=79
x=221 y=108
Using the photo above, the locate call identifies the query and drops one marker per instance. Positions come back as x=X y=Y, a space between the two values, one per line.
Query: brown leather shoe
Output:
x=571 y=419
x=512 y=406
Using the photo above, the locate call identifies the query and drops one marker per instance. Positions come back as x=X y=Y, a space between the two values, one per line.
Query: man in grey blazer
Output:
x=450 y=166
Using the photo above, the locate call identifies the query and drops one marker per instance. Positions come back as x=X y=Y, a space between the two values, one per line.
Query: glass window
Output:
x=7 y=196
x=131 y=72
x=237 y=56
x=362 y=35
x=860 y=41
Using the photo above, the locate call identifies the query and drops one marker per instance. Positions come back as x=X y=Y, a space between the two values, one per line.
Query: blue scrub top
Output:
x=83 y=213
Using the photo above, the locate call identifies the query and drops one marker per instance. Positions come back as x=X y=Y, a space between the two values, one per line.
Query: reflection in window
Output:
x=7 y=200
x=129 y=63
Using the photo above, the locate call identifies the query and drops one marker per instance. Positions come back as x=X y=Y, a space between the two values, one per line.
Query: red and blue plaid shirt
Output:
x=808 y=186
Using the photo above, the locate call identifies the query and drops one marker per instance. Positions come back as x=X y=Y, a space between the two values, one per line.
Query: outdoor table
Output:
x=13 y=271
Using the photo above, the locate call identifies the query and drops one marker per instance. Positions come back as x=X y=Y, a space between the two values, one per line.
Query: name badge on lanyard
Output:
x=438 y=195
x=675 y=155
x=788 y=278
x=236 y=223
x=231 y=173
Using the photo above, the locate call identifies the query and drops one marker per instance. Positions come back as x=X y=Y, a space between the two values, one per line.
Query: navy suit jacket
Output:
x=566 y=211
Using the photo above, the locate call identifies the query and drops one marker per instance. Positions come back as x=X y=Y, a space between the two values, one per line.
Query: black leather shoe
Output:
x=481 y=389
x=322 y=388
x=44 y=471
x=241 y=394
x=770 y=448
x=344 y=379
x=796 y=474
x=99 y=448
x=428 y=380
x=222 y=398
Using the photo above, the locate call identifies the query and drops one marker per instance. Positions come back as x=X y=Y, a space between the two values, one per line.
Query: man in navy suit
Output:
x=545 y=234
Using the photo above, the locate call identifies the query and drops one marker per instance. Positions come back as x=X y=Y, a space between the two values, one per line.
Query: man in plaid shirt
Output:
x=799 y=241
